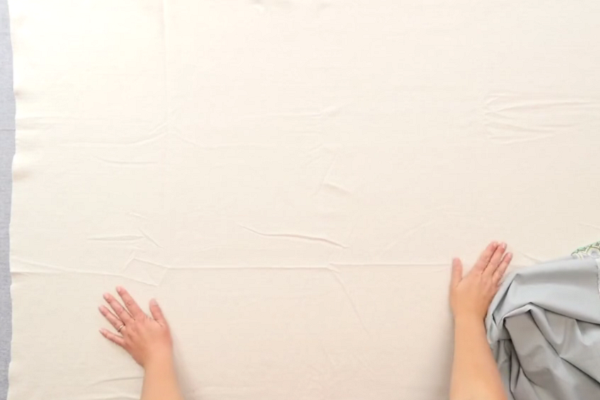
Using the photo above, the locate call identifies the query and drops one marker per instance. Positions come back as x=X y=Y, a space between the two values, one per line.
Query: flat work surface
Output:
x=290 y=179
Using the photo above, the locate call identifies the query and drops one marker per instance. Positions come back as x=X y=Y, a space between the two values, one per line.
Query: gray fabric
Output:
x=7 y=148
x=544 y=329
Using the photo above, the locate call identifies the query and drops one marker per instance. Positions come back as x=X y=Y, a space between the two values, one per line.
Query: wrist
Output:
x=159 y=359
x=468 y=319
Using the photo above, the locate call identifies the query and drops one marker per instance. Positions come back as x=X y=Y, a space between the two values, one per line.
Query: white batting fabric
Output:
x=290 y=180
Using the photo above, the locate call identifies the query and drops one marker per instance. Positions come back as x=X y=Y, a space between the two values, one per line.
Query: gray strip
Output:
x=598 y=264
x=7 y=149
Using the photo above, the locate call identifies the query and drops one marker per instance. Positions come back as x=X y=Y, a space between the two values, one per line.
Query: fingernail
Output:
x=153 y=302
x=119 y=289
x=102 y=331
x=106 y=296
x=101 y=309
x=502 y=246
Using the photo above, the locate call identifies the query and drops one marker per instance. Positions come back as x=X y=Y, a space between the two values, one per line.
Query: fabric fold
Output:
x=544 y=330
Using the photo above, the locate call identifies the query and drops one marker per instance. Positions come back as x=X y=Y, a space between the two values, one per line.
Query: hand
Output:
x=471 y=296
x=145 y=338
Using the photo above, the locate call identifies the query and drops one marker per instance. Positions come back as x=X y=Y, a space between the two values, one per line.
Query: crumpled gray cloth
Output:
x=544 y=330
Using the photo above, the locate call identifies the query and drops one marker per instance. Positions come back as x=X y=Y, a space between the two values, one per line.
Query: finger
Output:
x=157 y=313
x=112 y=318
x=502 y=268
x=457 y=272
x=133 y=308
x=484 y=258
x=118 y=340
x=495 y=260
x=118 y=308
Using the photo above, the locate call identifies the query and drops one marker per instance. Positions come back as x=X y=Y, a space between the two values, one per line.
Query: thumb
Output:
x=457 y=272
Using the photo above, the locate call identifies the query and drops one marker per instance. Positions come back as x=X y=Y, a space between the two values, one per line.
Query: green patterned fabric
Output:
x=592 y=250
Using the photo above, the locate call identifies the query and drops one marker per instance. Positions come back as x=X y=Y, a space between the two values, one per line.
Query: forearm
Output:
x=474 y=373
x=160 y=381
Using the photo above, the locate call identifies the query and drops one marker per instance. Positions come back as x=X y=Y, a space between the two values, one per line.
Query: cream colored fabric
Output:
x=290 y=179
